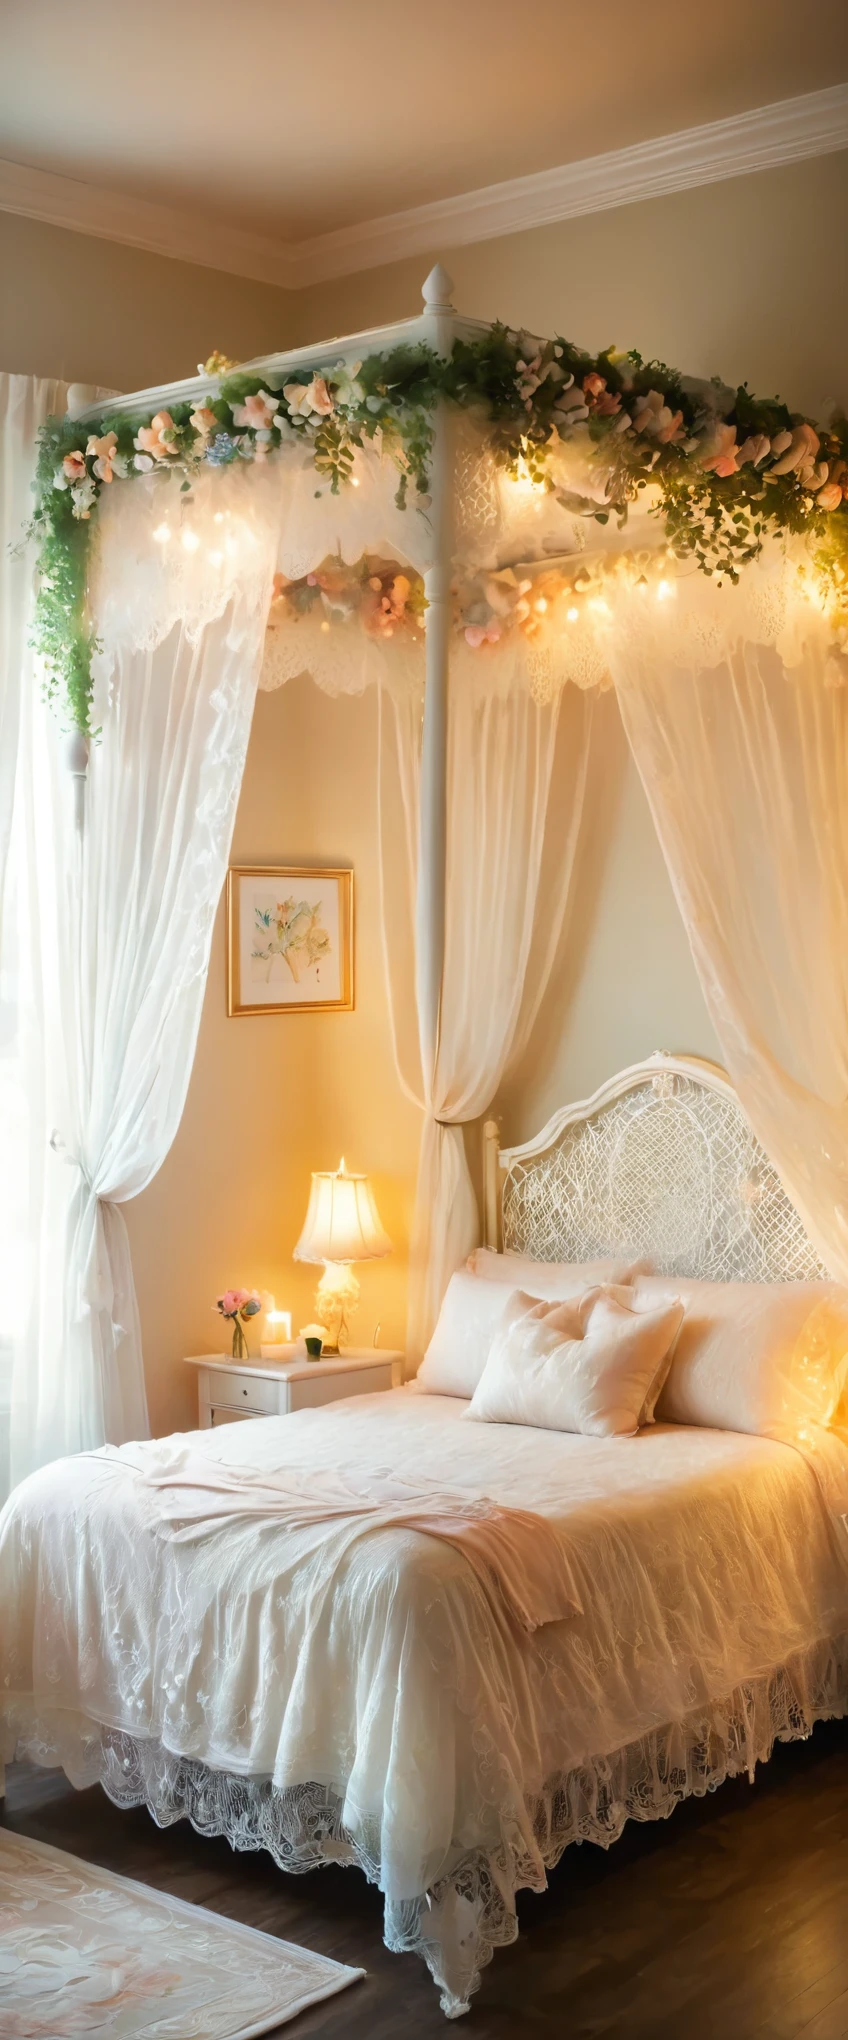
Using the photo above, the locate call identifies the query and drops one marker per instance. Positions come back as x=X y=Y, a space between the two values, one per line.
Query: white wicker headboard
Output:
x=661 y=1162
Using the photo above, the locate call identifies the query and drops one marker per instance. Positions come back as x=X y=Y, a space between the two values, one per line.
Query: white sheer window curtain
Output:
x=745 y=765
x=25 y=403
x=516 y=779
x=105 y=960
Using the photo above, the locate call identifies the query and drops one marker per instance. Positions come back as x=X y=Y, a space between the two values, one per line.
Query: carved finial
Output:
x=436 y=290
x=80 y=398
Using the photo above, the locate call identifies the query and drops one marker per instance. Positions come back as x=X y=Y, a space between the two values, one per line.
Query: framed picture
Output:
x=289 y=940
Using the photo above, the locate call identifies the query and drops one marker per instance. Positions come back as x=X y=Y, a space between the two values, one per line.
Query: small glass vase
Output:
x=240 y=1351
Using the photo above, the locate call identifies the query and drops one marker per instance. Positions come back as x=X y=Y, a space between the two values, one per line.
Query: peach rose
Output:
x=103 y=451
x=203 y=420
x=830 y=497
x=753 y=449
x=155 y=438
x=73 y=467
x=654 y=417
x=800 y=453
x=306 y=399
x=720 y=453
x=257 y=410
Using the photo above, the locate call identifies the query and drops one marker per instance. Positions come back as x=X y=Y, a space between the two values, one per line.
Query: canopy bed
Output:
x=362 y=1698
x=487 y=529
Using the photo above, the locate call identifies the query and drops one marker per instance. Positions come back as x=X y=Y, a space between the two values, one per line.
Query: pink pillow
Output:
x=590 y=1365
x=764 y=1357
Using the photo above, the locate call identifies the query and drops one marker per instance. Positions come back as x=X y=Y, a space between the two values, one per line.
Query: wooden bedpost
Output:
x=432 y=846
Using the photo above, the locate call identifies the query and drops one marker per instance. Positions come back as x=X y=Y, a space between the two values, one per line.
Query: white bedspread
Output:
x=702 y=1560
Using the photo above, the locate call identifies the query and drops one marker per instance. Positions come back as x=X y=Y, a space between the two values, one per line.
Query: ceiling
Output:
x=295 y=120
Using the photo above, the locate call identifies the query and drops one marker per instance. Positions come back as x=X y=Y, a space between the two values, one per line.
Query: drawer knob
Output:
x=244 y=1391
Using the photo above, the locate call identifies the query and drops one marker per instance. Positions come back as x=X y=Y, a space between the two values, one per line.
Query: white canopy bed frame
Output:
x=660 y=1162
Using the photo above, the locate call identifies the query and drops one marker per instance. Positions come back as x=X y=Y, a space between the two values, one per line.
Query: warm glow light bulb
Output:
x=162 y=534
x=572 y=613
x=663 y=591
x=190 y=540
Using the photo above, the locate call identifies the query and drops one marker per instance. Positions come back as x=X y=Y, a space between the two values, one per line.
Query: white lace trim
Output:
x=457 y=1924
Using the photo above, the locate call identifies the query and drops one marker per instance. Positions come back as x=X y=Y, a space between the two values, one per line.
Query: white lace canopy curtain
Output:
x=516 y=778
x=741 y=738
x=114 y=954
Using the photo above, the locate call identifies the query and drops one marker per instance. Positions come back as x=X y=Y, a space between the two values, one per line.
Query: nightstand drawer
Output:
x=234 y=1392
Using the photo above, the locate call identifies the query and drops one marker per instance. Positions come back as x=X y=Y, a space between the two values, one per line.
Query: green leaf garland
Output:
x=729 y=468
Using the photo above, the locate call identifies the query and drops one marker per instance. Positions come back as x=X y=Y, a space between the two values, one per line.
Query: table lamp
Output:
x=342 y=1226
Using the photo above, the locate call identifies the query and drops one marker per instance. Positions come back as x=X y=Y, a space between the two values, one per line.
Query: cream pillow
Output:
x=553 y=1279
x=590 y=1365
x=468 y=1320
x=763 y=1357
x=472 y=1310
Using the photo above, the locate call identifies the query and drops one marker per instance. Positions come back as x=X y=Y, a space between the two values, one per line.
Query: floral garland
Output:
x=726 y=466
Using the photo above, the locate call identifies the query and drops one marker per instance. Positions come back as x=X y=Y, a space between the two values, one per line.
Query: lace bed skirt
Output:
x=457 y=1925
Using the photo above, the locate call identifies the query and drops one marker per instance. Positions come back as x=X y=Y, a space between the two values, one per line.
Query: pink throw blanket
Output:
x=517 y=1557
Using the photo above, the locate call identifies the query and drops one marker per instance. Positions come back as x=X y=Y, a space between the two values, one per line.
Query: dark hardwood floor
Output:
x=727 y=1922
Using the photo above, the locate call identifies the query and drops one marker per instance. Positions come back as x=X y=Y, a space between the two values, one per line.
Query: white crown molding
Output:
x=815 y=124
x=136 y=223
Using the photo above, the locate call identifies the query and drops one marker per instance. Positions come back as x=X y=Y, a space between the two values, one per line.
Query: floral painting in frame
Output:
x=289 y=940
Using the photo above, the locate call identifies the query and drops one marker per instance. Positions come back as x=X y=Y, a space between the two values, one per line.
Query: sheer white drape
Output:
x=120 y=919
x=745 y=765
x=25 y=403
x=516 y=777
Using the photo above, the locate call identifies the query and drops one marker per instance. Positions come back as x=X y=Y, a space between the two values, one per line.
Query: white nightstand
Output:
x=230 y=1389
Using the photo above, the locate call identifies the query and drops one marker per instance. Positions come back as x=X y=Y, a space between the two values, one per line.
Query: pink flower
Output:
x=830 y=497
x=477 y=634
x=258 y=410
x=228 y=1303
x=654 y=417
x=104 y=453
x=155 y=438
x=73 y=467
x=720 y=453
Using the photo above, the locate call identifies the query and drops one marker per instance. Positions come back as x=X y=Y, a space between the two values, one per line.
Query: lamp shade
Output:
x=342 y=1221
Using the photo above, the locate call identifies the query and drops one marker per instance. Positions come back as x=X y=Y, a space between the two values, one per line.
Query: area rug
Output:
x=83 y=1952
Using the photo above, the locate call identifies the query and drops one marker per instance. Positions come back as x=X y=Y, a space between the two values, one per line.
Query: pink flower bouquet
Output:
x=239 y=1306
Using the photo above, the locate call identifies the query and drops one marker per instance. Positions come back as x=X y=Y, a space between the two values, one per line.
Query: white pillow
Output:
x=553 y=1279
x=763 y=1357
x=472 y=1310
x=590 y=1365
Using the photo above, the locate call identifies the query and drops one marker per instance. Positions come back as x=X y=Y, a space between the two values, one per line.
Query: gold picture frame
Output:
x=289 y=939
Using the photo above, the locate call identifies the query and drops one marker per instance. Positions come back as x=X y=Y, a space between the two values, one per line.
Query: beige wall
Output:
x=740 y=279
x=90 y=311
x=275 y=1096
